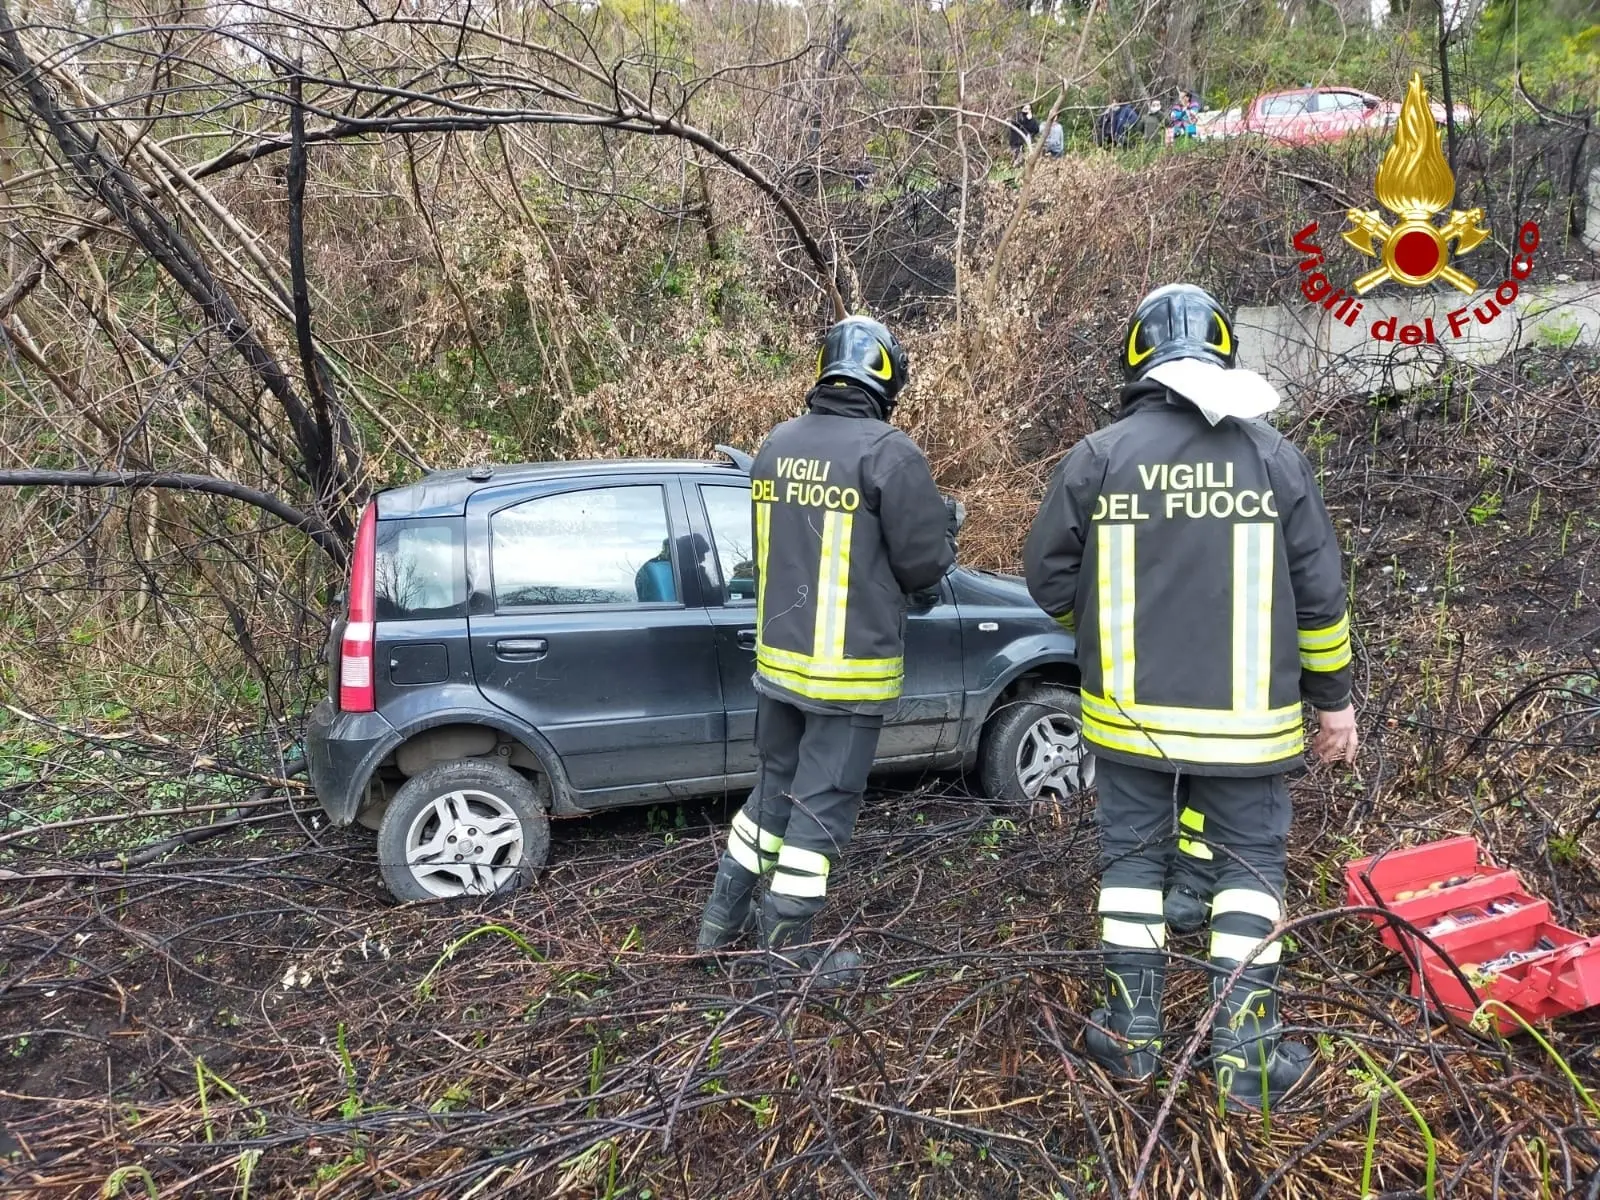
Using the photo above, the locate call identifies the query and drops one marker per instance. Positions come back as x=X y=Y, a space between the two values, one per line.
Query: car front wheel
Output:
x=1034 y=749
x=466 y=828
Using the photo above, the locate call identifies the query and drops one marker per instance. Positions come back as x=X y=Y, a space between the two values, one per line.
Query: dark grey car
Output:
x=558 y=638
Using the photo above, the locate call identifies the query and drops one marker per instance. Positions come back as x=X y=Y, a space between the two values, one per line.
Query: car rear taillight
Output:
x=356 y=692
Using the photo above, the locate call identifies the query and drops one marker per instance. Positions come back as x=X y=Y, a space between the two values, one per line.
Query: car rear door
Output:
x=586 y=621
x=930 y=705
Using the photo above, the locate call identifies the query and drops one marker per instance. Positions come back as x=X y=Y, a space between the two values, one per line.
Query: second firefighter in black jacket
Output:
x=848 y=522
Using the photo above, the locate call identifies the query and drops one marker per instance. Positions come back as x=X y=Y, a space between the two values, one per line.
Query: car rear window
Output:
x=420 y=572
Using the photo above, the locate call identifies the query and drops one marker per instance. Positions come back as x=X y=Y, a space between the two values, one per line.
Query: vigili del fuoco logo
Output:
x=1414 y=183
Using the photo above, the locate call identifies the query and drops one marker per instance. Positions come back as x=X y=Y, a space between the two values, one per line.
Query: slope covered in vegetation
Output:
x=304 y=255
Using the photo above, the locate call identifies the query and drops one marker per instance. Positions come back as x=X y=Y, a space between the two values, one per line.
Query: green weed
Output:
x=1432 y=1165
x=1478 y=1019
x=1564 y=850
x=244 y=1169
x=202 y=1074
x=331 y=1171
x=597 y=1073
x=457 y=1095
x=1487 y=508
x=424 y=988
x=349 y=1108
x=1559 y=334
x=117 y=1181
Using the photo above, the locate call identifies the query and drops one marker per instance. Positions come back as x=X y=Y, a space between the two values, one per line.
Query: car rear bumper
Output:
x=342 y=751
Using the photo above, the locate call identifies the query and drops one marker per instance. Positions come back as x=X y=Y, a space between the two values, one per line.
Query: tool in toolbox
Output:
x=1489 y=927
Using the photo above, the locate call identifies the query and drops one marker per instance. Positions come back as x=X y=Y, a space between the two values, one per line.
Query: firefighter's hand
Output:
x=1336 y=735
x=956 y=512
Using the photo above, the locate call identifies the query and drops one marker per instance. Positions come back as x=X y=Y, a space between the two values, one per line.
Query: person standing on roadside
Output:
x=1151 y=129
x=1185 y=117
x=1024 y=127
x=1188 y=545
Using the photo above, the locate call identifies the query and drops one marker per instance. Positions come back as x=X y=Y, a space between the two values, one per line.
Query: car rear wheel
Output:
x=465 y=828
x=1033 y=748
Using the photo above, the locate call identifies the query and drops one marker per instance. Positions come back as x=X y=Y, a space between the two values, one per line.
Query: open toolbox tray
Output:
x=1488 y=926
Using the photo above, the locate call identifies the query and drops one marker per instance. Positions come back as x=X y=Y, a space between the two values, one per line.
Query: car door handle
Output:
x=521 y=647
x=747 y=639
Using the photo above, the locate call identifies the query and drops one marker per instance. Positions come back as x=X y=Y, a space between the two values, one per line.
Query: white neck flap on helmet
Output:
x=1216 y=391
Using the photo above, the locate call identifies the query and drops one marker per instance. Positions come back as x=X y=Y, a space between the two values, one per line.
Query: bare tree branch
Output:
x=316 y=530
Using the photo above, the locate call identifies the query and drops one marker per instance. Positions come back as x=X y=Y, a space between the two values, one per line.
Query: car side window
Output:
x=607 y=545
x=1286 y=106
x=728 y=511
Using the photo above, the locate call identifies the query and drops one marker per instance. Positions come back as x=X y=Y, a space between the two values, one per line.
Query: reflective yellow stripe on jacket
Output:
x=833 y=586
x=1248 y=733
x=1326 y=649
x=1114 y=550
x=763 y=519
x=825 y=673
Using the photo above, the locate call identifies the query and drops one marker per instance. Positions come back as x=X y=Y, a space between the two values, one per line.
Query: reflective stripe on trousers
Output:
x=1193 y=846
x=800 y=872
x=1132 y=918
x=1241 y=918
x=752 y=847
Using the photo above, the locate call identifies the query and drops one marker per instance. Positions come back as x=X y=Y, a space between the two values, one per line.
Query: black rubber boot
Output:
x=730 y=912
x=1254 y=1068
x=785 y=934
x=1188 y=901
x=1124 y=1037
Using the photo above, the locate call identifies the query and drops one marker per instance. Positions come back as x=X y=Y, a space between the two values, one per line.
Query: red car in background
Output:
x=1317 y=114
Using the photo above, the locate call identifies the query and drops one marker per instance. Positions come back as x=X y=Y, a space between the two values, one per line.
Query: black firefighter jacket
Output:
x=848 y=521
x=1201 y=573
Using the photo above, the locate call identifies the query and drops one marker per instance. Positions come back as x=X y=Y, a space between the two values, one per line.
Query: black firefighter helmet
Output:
x=864 y=352
x=1177 y=321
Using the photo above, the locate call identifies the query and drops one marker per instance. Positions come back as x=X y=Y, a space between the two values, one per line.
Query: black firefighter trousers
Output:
x=1239 y=826
x=802 y=813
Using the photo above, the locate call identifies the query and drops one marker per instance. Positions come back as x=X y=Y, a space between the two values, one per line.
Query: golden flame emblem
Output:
x=1414 y=183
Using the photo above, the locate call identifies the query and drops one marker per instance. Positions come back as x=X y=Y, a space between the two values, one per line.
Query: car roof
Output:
x=445 y=493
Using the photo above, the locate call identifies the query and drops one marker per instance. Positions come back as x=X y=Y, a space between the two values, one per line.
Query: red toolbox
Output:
x=1488 y=926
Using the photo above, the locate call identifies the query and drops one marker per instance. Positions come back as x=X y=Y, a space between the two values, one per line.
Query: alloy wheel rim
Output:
x=467 y=842
x=1052 y=758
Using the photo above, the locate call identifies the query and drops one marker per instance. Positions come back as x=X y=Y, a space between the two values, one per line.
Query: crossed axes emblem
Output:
x=1421 y=263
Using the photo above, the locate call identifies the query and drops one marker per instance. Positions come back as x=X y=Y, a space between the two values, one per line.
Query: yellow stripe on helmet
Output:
x=1226 y=346
x=885 y=370
x=1134 y=357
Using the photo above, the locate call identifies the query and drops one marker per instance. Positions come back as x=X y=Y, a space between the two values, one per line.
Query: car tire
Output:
x=1022 y=739
x=473 y=827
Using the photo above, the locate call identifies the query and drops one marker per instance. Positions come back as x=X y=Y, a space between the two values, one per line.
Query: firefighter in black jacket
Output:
x=847 y=523
x=1188 y=545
